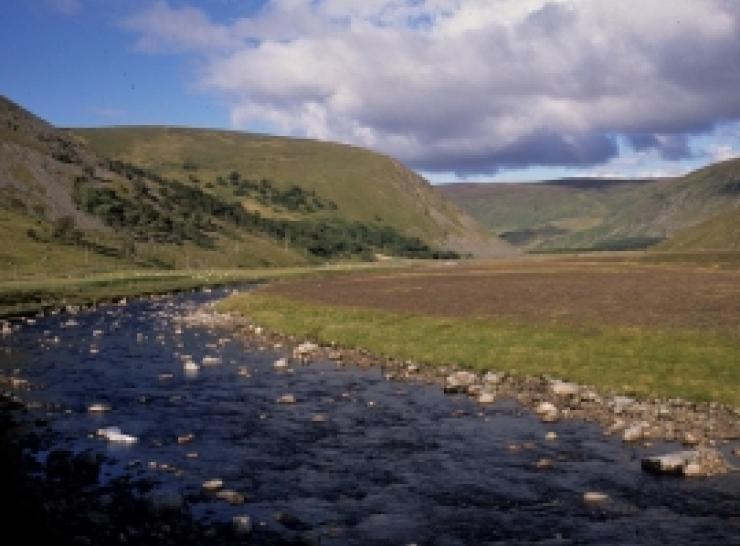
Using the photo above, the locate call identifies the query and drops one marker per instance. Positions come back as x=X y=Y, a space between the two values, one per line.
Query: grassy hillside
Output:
x=68 y=208
x=720 y=232
x=356 y=184
x=596 y=214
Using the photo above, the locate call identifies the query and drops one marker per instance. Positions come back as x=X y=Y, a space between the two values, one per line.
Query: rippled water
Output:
x=393 y=463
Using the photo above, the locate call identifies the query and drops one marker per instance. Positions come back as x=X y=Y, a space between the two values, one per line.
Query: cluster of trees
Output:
x=170 y=211
x=294 y=198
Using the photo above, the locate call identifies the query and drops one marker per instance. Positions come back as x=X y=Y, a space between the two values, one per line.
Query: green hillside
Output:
x=66 y=207
x=356 y=184
x=605 y=214
x=720 y=232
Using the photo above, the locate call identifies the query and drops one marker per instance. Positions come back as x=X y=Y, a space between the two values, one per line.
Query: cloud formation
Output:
x=470 y=86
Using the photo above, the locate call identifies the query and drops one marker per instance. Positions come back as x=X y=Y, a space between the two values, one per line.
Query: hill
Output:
x=357 y=185
x=66 y=207
x=604 y=214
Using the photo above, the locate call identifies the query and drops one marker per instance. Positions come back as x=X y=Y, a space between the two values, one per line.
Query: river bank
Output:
x=710 y=428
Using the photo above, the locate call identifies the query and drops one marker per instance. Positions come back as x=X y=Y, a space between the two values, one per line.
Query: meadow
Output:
x=667 y=327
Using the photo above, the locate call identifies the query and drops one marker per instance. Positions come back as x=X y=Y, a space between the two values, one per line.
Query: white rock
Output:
x=286 y=399
x=634 y=432
x=114 y=435
x=242 y=524
x=595 y=497
x=97 y=333
x=562 y=388
x=230 y=496
x=547 y=411
x=551 y=435
x=191 y=366
x=211 y=360
x=486 y=398
x=98 y=408
x=212 y=485
x=7 y=329
x=493 y=378
x=305 y=349
x=281 y=363
x=460 y=381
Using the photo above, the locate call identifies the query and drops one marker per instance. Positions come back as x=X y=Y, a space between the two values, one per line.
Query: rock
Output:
x=191 y=367
x=98 y=408
x=242 y=525
x=286 y=399
x=635 y=432
x=6 y=329
x=493 y=378
x=620 y=404
x=114 y=435
x=696 y=462
x=185 y=438
x=551 y=435
x=460 y=382
x=319 y=418
x=281 y=363
x=213 y=484
x=562 y=388
x=547 y=412
x=543 y=463
x=335 y=355
x=211 y=360
x=690 y=439
x=486 y=398
x=232 y=497
x=595 y=497
x=305 y=349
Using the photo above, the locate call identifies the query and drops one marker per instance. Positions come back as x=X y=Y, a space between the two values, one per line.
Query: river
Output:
x=385 y=463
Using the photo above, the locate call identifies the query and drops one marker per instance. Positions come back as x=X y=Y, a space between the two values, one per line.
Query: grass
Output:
x=367 y=187
x=26 y=296
x=693 y=359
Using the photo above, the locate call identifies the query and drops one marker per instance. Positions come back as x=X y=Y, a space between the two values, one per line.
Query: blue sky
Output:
x=458 y=89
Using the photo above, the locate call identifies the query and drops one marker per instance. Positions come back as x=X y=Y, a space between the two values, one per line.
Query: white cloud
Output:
x=470 y=85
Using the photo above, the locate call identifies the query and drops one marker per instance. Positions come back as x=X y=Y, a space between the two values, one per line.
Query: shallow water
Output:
x=394 y=463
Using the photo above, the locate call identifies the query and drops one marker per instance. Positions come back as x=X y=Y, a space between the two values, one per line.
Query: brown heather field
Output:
x=565 y=291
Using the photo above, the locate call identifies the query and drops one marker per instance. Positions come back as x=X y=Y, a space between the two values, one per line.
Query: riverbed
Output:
x=356 y=459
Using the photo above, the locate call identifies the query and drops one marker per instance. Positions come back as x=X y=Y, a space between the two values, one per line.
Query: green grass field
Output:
x=694 y=364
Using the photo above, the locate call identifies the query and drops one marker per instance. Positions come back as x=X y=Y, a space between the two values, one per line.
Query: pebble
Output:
x=281 y=363
x=593 y=497
x=242 y=524
x=551 y=435
x=286 y=399
x=232 y=497
x=98 y=408
x=211 y=360
x=213 y=484
x=486 y=398
x=547 y=412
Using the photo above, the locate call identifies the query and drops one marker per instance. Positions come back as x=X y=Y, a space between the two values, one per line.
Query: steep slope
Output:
x=46 y=229
x=596 y=214
x=359 y=185
x=720 y=232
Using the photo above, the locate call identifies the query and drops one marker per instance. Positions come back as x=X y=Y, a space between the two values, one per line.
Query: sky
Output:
x=459 y=90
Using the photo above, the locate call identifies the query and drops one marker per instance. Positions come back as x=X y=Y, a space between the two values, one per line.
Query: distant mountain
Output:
x=75 y=201
x=607 y=213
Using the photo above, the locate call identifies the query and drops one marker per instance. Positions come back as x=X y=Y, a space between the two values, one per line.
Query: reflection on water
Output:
x=356 y=459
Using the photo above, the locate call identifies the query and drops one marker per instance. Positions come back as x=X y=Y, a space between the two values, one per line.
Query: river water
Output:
x=391 y=463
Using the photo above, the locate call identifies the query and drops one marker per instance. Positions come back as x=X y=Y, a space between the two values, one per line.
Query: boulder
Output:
x=547 y=412
x=694 y=462
x=562 y=388
x=460 y=382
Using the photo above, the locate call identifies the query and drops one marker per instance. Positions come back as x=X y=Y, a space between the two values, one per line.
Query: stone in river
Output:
x=594 y=497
